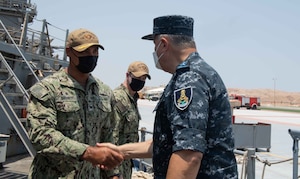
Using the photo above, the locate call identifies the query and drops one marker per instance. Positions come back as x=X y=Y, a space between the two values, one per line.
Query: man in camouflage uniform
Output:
x=193 y=135
x=128 y=114
x=68 y=113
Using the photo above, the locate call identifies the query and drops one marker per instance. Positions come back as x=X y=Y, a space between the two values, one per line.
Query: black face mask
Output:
x=87 y=64
x=136 y=84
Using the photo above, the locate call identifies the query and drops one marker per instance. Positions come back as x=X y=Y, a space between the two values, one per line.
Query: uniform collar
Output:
x=134 y=97
x=186 y=62
x=68 y=80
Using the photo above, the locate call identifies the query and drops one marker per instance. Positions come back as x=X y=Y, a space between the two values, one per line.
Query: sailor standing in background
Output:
x=128 y=116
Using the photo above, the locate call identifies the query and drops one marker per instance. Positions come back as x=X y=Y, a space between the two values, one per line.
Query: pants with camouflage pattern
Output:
x=126 y=169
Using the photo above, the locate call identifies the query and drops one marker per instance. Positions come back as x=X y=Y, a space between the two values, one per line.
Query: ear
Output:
x=71 y=55
x=165 y=43
x=68 y=51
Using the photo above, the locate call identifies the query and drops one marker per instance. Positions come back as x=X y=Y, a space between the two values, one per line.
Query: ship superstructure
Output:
x=26 y=56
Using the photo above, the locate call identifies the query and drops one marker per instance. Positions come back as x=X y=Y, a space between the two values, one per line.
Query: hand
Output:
x=104 y=156
x=109 y=145
x=116 y=177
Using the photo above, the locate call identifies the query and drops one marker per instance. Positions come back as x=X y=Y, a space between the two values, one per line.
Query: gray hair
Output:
x=181 y=41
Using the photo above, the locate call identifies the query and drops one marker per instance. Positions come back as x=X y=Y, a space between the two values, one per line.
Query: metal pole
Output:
x=251 y=164
x=296 y=136
x=143 y=134
x=65 y=54
x=274 y=91
x=42 y=38
x=295 y=159
x=23 y=39
x=143 y=138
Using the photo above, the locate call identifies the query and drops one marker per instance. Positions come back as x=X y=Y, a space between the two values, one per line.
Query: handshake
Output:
x=106 y=156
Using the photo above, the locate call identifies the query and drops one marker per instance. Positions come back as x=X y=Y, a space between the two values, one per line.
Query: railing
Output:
x=6 y=109
x=14 y=76
x=20 y=52
x=20 y=5
x=144 y=165
x=35 y=42
x=6 y=106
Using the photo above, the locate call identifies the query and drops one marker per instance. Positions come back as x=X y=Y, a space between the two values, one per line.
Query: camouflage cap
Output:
x=171 y=24
x=139 y=69
x=81 y=39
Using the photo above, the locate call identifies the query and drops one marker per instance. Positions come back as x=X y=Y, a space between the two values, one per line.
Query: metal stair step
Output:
x=8 y=82
x=23 y=119
x=14 y=94
x=3 y=70
x=19 y=106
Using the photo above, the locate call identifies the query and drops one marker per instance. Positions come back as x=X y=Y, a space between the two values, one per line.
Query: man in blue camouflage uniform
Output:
x=68 y=113
x=126 y=130
x=193 y=135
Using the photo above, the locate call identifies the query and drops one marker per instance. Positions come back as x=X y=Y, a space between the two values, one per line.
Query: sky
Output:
x=253 y=44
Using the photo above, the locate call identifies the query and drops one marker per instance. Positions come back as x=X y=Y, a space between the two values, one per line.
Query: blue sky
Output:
x=249 y=42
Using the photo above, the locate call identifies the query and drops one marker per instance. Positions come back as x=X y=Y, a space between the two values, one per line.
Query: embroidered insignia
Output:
x=183 y=97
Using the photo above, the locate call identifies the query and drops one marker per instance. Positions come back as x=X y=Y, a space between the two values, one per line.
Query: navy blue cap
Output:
x=171 y=24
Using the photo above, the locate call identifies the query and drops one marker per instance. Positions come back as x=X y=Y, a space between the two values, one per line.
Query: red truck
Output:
x=246 y=101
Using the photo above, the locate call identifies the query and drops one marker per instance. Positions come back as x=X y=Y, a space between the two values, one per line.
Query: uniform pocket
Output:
x=69 y=117
x=67 y=105
x=105 y=104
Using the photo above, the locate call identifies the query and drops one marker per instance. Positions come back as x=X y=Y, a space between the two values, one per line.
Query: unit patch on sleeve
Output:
x=183 y=97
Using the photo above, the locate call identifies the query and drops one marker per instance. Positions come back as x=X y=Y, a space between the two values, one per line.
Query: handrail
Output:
x=22 y=55
x=11 y=72
x=142 y=163
x=9 y=112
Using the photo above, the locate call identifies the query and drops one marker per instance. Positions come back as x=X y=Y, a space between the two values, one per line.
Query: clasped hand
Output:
x=110 y=146
x=106 y=157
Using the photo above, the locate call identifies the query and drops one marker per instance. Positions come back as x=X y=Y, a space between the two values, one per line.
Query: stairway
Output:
x=14 y=99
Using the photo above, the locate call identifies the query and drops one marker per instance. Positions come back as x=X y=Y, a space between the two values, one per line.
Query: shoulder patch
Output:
x=121 y=107
x=183 y=97
x=40 y=92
